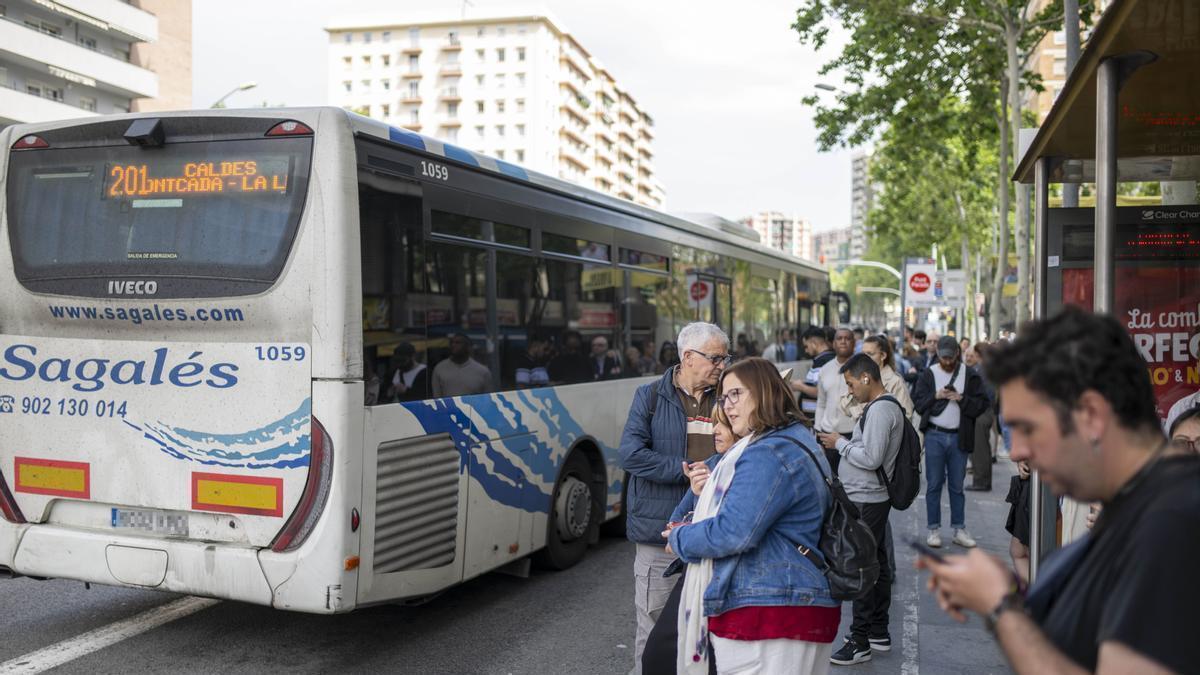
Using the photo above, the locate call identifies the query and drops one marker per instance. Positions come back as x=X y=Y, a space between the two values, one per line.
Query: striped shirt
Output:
x=698 y=413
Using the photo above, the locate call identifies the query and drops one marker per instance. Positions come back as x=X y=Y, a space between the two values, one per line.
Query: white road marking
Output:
x=81 y=645
x=912 y=616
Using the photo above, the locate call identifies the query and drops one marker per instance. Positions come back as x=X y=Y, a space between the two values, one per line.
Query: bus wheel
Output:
x=572 y=516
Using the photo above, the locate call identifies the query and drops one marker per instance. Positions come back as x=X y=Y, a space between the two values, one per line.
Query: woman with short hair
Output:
x=749 y=592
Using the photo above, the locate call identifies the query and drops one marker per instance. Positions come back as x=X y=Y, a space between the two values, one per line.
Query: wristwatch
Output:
x=1013 y=600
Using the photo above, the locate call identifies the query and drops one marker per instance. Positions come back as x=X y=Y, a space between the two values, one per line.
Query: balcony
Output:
x=452 y=122
x=575 y=62
x=414 y=48
x=573 y=155
x=22 y=44
x=451 y=69
x=109 y=16
x=575 y=113
x=450 y=94
x=411 y=98
x=452 y=44
x=19 y=107
x=411 y=74
x=414 y=126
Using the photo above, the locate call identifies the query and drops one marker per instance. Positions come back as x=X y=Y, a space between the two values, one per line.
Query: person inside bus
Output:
x=646 y=363
x=633 y=363
x=668 y=356
x=410 y=381
x=604 y=363
x=530 y=367
x=570 y=365
x=748 y=592
x=459 y=374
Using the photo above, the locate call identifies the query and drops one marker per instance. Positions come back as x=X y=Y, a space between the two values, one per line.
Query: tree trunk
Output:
x=1022 y=192
x=1001 y=220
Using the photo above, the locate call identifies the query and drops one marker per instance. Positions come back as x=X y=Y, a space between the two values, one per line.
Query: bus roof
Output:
x=433 y=146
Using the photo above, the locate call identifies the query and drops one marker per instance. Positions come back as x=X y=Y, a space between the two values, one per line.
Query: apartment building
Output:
x=862 y=199
x=790 y=234
x=68 y=59
x=1050 y=61
x=832 y=245
x=518 y=88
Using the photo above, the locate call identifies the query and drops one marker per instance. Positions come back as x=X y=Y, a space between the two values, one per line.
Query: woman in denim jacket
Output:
x=750 y=593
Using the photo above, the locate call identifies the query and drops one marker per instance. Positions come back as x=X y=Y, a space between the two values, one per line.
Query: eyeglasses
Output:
x=1185 y=444
x=715 y=359
x=731 y=397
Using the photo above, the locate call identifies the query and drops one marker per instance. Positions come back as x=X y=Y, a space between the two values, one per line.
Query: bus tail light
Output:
x=316 y=493
x=30 y=142
x=8 y=506
x=290 y=128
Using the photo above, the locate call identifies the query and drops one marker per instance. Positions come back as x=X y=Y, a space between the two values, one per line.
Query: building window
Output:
x=366 y=38
x=414 y=62
x=348 y=38
x=520 y=80
x=347 y=62
x=500 y=54
x=414 y=117
x=385 y=110
x=479 y=54
x=499 y=154
x=501 y=30
x=452 y=109
x=87 y=103
x=387 y=84
x=386 y=36
x=520 y=155
x=500 y=80
x=366 y=85
x=480 y=32
x=479 y=106
x=520 y=53
x=520 y=105
x=414 y=34
x=86 y=42
x=479 y=130
x=346 y=84
x=520 y=129
x=499 y=105
x=387 y=60
x=452 y=134
x=366 y=61
x=521 y=28
x=500 y=130
x=413 y=89
x=479 y=80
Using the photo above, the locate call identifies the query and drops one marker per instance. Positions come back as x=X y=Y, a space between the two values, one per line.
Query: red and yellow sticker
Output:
x=224 y=493
x=53 y=477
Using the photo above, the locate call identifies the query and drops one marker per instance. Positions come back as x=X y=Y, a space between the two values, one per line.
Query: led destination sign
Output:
x=266 y=175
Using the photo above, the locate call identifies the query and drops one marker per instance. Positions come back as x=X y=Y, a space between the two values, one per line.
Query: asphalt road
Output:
x=577 y=621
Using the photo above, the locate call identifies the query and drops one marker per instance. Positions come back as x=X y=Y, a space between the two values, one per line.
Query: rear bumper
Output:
x=193 y=568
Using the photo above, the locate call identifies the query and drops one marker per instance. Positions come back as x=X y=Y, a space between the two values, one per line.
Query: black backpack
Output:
x=850 y=562
x=905 y=483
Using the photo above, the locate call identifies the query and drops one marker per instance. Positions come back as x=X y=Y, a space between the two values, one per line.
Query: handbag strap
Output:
x=805 y=551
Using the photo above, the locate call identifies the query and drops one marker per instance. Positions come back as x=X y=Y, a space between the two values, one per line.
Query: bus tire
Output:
x=573 y=517
x=616 y=526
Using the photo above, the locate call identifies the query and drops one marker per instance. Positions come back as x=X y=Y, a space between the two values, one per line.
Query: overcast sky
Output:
x=723 y=82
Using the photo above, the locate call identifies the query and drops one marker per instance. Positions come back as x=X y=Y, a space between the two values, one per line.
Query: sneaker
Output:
x=964 y=539
x=934 y=539
x=850 y=654
x=881 y=643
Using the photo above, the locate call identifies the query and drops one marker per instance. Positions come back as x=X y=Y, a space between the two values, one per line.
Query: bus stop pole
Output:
x=1104 y=261
x=1042 y=507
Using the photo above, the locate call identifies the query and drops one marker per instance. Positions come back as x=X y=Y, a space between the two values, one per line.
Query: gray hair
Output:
x=695 y=335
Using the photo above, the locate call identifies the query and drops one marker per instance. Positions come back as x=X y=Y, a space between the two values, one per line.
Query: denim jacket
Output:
x=777 y=500
x=688 y=503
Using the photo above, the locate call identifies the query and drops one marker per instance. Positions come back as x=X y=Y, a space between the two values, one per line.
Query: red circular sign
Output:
x=699 y=290
x=919 y=282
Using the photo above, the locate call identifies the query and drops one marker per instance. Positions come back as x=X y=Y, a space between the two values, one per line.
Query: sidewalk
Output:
x=924 y=639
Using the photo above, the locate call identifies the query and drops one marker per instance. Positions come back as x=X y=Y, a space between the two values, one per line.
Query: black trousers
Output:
x=871 y=611
x=662 y=645
x=981 y=456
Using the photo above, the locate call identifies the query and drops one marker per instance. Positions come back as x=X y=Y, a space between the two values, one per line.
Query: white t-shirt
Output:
x=951 y=416
x=831 y=387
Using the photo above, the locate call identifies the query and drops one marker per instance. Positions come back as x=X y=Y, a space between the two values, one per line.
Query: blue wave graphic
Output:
x=542 y=454
x=283 y=444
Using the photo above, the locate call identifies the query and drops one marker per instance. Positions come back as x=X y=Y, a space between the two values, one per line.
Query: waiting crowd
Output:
x=759 y=502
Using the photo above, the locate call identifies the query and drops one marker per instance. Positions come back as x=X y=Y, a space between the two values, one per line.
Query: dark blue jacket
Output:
x=652 y=452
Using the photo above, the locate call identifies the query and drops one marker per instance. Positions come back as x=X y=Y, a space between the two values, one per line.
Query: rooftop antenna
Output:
x=463 y=14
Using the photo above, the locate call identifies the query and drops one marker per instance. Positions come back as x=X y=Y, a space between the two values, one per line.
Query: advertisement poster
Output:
x=1160 y=306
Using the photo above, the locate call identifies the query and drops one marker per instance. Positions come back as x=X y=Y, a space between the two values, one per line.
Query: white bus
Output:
x=303 y=359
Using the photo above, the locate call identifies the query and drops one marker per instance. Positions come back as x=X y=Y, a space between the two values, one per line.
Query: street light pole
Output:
x=241 y=87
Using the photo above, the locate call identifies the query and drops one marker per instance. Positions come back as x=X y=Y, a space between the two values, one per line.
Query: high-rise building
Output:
x=790 y=234
x=517 y=88
x=1050 y=61
x=862 y=198
x=68 y=59
x=831 y=245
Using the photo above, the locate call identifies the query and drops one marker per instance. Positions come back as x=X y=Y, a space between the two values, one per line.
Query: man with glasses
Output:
x=669 y=425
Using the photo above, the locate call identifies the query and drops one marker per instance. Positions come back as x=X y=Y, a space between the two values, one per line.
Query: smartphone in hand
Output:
x=926 y=550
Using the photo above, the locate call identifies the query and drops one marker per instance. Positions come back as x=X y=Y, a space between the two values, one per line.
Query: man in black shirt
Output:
x=1124 y=598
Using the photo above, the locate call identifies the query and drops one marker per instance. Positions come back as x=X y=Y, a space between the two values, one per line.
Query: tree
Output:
x=906 y=59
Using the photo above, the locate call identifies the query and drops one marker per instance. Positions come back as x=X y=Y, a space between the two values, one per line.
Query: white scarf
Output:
x=692 y=652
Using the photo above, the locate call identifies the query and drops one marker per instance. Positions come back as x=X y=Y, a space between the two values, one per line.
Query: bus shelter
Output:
x=1128 y=113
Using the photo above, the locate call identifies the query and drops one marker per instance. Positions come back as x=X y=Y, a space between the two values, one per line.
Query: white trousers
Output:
x=771 y=657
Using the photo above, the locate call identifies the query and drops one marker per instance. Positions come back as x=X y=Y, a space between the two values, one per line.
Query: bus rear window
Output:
x=208 y=218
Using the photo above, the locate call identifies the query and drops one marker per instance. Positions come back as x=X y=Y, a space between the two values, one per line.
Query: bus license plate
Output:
x=154 y=522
